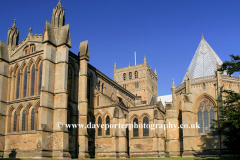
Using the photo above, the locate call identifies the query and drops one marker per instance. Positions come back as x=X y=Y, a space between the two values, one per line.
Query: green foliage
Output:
x=228 y=123
x=231 y=66
x=229 y=120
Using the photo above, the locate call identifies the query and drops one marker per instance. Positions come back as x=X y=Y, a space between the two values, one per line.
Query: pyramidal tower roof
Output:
x=204 y=62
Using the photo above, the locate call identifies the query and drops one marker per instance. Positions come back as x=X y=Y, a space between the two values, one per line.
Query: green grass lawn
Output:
x=167 y=158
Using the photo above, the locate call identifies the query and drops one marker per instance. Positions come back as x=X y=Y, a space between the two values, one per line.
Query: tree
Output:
x=229 y=117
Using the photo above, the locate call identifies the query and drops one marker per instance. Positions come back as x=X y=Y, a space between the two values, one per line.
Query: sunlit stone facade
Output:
x=43 y=85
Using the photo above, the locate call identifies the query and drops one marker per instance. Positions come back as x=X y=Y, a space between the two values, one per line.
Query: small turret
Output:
x=58 y=16
x=13 y=35
x=188 y=81
x=145 y=60
x=155 y=71
x=173 y=90
x=115 y=66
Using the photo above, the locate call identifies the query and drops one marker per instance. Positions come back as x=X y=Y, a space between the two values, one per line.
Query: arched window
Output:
x=32 y=48
x=99 y=126
x=145 y=126
x=40 y=79
x=32 y=80
x=25 y=82
x=102 y=87
x=25 y=51
x=136 y=74
x=135 y=127
x=32 y=118
x=130 y=75
x=204 y=118
x=200 y=122
x=212 y=117
x=15 y=122
x=108 y=126
x=206 y=121
x=23 y=119
x=204 y=86
x=99 y=85
x=124 y=76
x=18 y=84
x=69 y=81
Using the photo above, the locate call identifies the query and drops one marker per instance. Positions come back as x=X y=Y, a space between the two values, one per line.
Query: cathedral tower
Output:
x=139 y=80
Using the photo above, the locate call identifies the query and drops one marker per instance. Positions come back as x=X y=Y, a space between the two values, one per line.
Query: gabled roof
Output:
x=204 y=62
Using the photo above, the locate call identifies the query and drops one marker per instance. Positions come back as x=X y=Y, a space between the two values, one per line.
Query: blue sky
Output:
x=168 y=32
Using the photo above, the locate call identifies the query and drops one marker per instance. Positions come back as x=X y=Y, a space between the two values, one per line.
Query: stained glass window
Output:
x=206 y=121
x=23 y=120
x=40 y=79
x=212 y=116
x=32 y=119
x=15 y=122
x=205 y=101
x=25 y=83
x=205 y=116
x=99 y=126
x=32 y=80
x=135 y=127
x=18 y=84
x=69 y=81
x=200 y=122
x=145 y=126
x=108 y=123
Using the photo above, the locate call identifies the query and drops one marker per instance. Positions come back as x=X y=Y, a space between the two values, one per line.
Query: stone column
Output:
x=45 y=112
x=123 y=134
x=172 y=134
x=4 y=67
x=60 y=135
x=187 y=133
x=161 y=137
x=82 y=100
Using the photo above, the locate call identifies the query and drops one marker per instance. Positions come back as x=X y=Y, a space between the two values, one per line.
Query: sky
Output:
x=167 y=32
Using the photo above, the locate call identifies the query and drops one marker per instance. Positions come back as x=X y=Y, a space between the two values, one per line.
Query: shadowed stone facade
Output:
x=193 y=102
x=43 y=85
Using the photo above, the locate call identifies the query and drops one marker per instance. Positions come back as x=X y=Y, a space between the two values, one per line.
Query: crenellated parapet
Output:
x=36 y=38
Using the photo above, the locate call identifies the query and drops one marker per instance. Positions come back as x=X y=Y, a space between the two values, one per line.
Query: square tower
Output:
x=139 y=80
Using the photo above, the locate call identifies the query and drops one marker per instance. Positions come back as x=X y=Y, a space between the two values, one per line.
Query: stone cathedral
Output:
x=43 y=84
